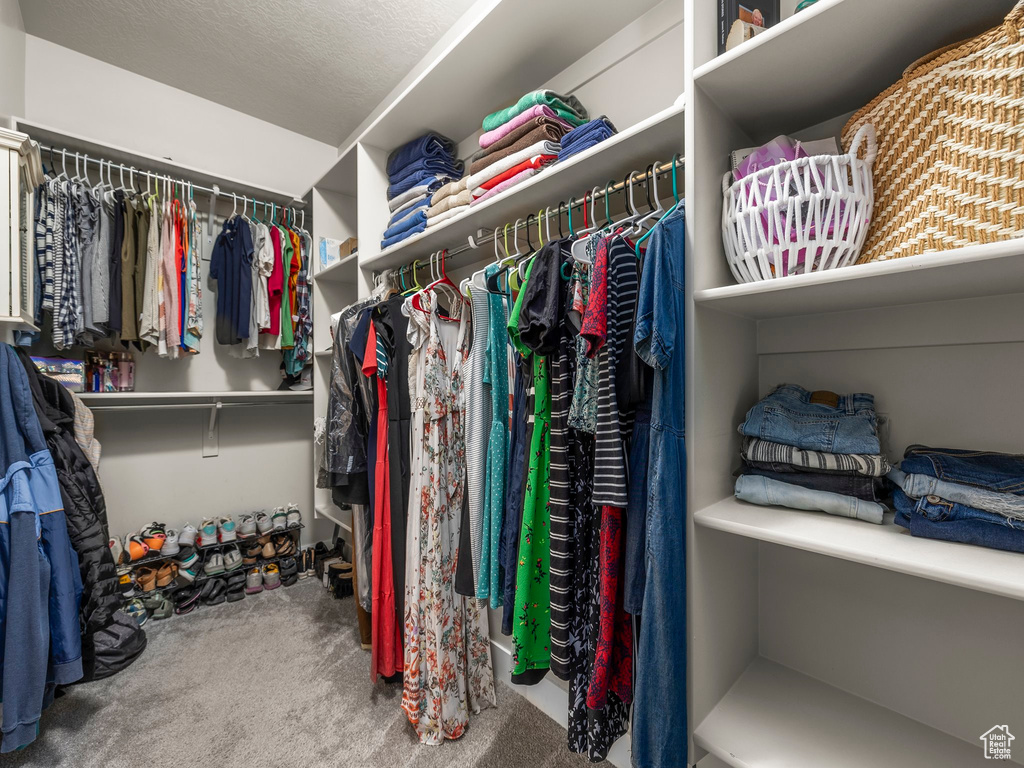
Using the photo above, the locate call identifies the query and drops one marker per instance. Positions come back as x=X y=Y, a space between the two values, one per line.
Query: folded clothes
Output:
x=417 y=202
x=555 y=129
x=541 y=132
x=425 y=165
x=536 y=163
x=417 y=217
x=772 y=493
x=430 y=144
x=415 y=230
x=816 y=421
x=488 y=173
x=418 y=179
x=783 y=458
x=489 y=138
x=568 y=108
x=465 y=197
x=507 y=184
x=586 y=136
x=427 y=187
x=932 y=517
x=433 y=221
x=859 y=486
x=451 y=188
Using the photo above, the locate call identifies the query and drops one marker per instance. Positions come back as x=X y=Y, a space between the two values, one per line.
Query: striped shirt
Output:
x=766 y=452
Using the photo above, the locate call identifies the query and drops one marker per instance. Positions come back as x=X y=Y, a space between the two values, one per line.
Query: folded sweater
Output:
x=541 y=132
x=489 y=138
x=540 y=148
x=568 y=108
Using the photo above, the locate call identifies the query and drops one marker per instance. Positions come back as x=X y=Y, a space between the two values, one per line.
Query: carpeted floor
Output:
x=277 y=679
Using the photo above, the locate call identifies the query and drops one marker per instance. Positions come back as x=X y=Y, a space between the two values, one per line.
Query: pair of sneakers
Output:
x=284 y=519
x=258 y=579
x=254 y=524
x=218 y=530
x=222 y=562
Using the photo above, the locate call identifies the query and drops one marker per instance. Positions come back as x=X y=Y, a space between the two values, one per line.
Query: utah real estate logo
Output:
x=997 y=742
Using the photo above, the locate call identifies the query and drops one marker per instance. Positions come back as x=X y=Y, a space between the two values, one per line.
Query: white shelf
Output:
x=198 y=399
x=833 y=58
x=341 y=177
x=974 y=271
x=334 y=515
x=887 y=546
x=658 y=137
x=776 y=717
x=342 y=271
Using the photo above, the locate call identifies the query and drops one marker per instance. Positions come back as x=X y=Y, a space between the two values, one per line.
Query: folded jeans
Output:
x=861 y=487
x=932 y=517
x=766 y=492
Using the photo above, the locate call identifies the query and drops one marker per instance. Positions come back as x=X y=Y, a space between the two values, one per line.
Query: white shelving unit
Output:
x=816 y=640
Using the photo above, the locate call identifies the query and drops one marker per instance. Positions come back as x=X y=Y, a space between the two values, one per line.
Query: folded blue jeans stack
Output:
x=415 y=171
x=974 y=497
x=586 y=136
x=815 y=451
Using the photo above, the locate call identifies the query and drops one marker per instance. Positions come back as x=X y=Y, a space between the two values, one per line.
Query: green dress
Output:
x=531 y=627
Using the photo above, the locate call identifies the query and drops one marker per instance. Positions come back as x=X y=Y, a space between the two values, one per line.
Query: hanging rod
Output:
x=293 y=203
x=590 y=197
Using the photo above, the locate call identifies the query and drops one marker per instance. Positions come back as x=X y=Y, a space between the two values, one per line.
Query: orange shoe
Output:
x=154 y=535
x=136 y=547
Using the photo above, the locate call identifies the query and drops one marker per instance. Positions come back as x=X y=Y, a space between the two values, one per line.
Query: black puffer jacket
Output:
x=111 y=640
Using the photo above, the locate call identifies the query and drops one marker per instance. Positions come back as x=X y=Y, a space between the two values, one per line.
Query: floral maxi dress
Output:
x=447 y=663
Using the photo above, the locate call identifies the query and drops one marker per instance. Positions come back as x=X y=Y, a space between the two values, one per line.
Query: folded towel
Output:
x=451 y=188
x=465 y=197
x=400 y=215
x=488 y=173
x=542 y=132
x=568 y=108
x=417 y=217
x=433 y=221
x=554 y=129
x=432 y=165
x=426 y=188
x=586 y=136
x=419 y=179
x=507 y=184
x=430 y=144
x=536 y=163
x=389 y=241
x=489 y=138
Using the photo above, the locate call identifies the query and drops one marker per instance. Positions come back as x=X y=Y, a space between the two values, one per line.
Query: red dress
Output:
x=386 y=654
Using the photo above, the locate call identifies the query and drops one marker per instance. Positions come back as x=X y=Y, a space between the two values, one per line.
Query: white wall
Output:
x=152 y=466
x=12 y=60
x=85 y=96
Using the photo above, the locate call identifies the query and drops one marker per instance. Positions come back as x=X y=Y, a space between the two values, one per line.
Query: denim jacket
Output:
x=40 y=638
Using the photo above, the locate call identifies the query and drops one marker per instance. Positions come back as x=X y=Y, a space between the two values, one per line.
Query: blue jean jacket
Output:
x=816 y=421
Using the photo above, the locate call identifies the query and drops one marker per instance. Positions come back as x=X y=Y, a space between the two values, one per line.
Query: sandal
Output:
x=285 y=544
x=145 y=579
x=186 y=600
x=166 y=574
x=269 y=550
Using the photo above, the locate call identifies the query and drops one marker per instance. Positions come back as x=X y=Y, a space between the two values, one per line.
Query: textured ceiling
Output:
x=318 y=67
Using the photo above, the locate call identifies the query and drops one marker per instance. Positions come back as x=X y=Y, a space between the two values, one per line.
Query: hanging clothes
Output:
x=447 y=671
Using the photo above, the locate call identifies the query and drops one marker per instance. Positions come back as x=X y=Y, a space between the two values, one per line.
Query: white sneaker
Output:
x=207 y=532
x=280 y=519
x=294 y=516
x=171 y=543
x=187 y=535
x=227 y=529
x=263 y=522
x=247 y=526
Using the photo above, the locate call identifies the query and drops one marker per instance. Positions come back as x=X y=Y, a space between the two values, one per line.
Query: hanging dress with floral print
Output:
x=447 y=669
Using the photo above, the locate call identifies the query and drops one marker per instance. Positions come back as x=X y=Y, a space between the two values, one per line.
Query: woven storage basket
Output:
x=950 y=167
x=799 y=216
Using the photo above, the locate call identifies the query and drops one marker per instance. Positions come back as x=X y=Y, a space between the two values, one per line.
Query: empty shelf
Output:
x=774 y=717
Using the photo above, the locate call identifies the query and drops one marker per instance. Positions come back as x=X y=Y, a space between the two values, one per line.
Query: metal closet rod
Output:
x=611 y=188
x=94 y=406
x=131 y=169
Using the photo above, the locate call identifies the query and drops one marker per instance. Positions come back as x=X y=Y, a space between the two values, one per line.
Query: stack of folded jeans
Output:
x=415 y=171
x=449 y=201
x=974 y=497
x=586 y=136
x=814 y=451
x=521 y=140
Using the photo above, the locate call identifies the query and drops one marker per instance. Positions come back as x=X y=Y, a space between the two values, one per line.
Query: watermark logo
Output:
x=997 y=742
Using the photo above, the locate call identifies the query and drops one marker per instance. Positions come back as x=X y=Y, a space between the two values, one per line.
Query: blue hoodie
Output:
x=40 y=638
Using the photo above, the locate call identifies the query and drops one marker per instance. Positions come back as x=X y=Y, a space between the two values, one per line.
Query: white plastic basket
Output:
x=800 y=216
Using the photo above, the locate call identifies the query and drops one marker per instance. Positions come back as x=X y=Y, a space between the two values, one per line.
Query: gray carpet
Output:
x=277 y=679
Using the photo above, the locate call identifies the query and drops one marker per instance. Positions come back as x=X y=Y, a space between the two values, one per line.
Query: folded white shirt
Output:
x=499 y=167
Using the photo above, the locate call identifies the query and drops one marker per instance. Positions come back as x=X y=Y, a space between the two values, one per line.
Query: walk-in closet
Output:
x=506 y=382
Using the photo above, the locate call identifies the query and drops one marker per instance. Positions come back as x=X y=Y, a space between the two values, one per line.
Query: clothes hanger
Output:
x=655 y=213
x=675 y=194
x=493 y=284
x=579 y=248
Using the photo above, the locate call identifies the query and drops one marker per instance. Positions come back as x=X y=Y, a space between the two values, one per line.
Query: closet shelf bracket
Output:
x=211 y=437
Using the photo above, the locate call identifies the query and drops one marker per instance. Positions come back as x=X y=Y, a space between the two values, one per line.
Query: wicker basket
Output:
x=950 y=169
x=801 y=216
